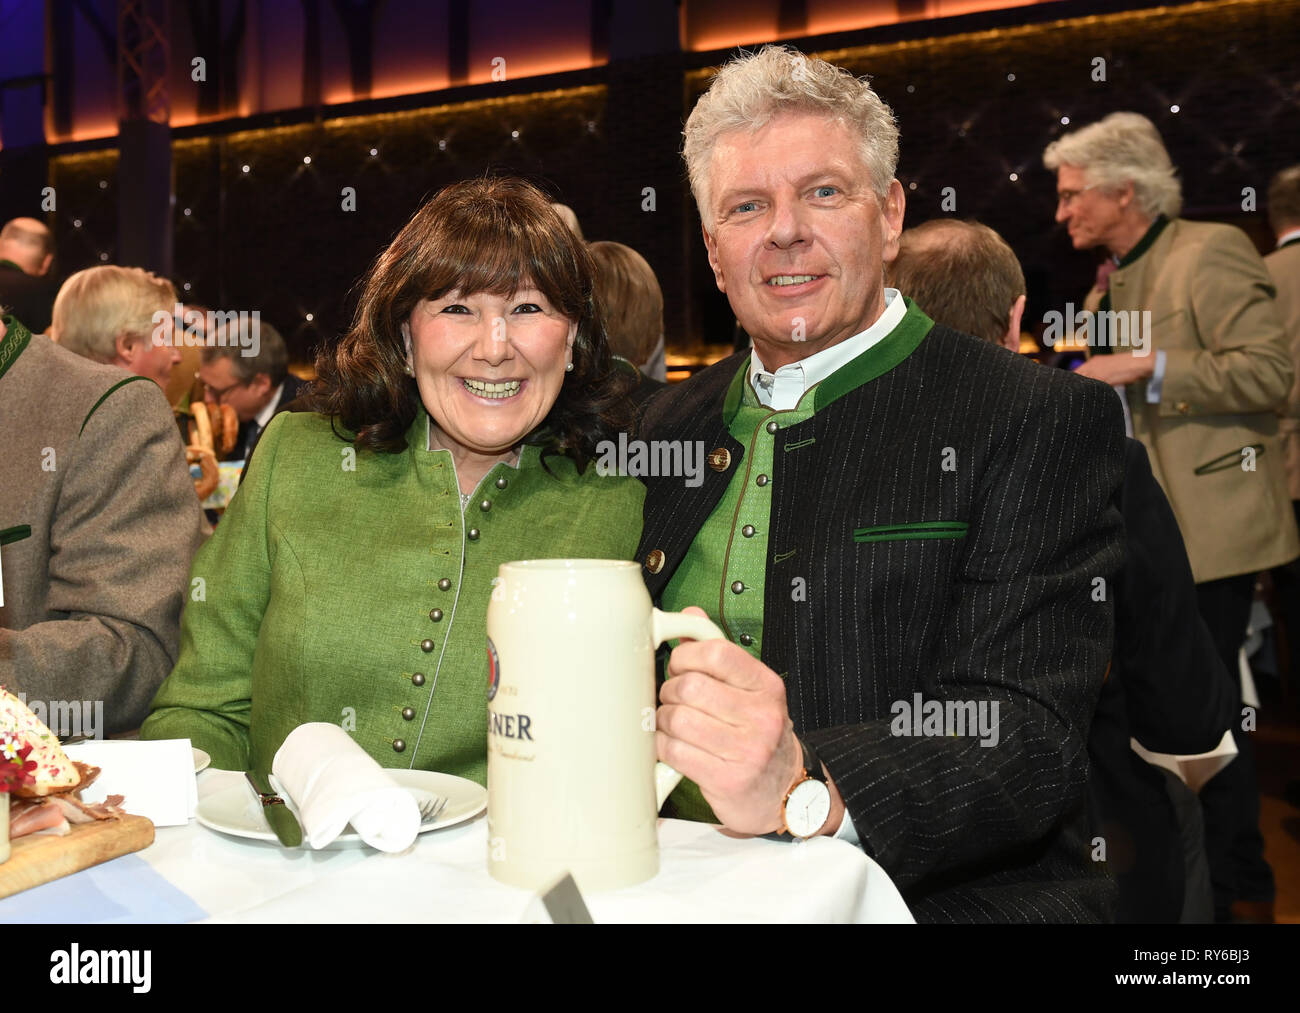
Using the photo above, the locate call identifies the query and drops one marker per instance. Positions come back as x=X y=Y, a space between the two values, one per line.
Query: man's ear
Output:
x=711 y=245
x=261 y=384
x=127 y=347
x=45 y=265
x=891 y=221
x=1011 y=339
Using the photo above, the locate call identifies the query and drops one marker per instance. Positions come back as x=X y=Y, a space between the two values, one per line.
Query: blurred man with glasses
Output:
x=257 y=387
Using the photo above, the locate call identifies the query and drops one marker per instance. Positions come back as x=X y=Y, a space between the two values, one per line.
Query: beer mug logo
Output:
x=494 y=670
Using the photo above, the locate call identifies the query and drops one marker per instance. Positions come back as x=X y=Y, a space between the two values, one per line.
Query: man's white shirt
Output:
x=783 y=389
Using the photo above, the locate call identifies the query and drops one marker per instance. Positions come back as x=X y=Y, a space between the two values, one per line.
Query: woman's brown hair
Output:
x=494 y=235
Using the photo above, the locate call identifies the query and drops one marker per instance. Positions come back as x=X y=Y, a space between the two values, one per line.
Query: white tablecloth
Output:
x=192 y=873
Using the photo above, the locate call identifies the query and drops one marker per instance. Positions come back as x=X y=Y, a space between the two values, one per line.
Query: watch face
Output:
x=808 y=808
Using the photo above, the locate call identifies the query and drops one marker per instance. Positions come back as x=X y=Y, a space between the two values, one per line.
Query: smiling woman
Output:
x=485 y=298
x=349 y=580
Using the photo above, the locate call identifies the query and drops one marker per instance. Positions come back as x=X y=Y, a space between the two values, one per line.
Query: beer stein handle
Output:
x=674 y=626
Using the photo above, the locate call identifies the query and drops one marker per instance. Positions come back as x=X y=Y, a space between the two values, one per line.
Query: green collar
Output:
x=12 y=344
x=1146 y=242
x=876 y=361
x=10 y=263
x=1290 y=242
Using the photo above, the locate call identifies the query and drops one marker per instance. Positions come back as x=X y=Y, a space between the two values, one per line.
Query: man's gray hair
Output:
x=99 y=304
x=749 y=90
x=226 y=342
x=1122 y=148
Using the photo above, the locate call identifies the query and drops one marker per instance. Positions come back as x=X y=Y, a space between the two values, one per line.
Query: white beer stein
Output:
x=573 y=785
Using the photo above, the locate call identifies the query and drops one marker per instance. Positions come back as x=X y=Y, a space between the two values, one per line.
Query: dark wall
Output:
x=277 y=239
x=965 y=124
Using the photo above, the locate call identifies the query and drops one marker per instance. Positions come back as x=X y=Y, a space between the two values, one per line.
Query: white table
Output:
x=191 y=873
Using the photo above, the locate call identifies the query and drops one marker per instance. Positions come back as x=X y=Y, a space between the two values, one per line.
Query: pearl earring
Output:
x=569 y=368
x=409 y=370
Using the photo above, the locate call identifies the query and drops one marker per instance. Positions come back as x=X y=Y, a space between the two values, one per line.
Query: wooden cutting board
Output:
x=41 y=858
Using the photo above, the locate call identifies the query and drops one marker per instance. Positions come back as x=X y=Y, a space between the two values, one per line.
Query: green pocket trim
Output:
x=15 y=534
x=1232 y=459
x=914 y=529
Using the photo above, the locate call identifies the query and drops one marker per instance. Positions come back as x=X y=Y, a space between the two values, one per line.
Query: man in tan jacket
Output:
x=1197 y=351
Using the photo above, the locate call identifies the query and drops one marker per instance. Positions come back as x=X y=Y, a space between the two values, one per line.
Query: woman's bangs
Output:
x=500 y=257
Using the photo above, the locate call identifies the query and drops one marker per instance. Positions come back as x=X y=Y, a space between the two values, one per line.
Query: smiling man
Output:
x=894 y=514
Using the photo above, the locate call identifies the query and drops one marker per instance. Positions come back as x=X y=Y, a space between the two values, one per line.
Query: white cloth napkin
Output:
x=156 y=777
x=335 y=782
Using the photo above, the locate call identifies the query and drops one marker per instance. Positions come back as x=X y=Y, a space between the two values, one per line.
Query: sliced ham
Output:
x=36 y=817
x=76 y=811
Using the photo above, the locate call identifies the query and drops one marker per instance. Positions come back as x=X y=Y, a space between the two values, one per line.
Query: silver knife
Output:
x=282 y=821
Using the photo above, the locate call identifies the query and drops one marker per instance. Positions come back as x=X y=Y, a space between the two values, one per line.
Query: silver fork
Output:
x=431 y=807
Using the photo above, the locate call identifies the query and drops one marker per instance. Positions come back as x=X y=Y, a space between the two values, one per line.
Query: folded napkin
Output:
x=156 y=777
x=335 y=782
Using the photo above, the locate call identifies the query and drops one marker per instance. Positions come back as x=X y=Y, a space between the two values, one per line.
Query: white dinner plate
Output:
x=201 y=759
x=237 y=811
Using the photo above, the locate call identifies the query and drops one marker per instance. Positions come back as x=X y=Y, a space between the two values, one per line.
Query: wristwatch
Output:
x=807 y=805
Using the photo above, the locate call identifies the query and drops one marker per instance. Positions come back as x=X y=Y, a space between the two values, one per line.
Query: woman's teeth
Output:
x=791 y=279
x=492 y=391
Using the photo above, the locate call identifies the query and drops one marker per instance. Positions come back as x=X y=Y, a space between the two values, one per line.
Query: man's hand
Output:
x=724 y=724
x=1117 y=370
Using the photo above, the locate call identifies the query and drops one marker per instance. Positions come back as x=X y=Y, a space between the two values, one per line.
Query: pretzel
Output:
x=229 y=430
x=201 y=428
x=210 y=474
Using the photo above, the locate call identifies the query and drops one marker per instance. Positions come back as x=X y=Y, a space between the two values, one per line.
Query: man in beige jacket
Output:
x=1197 y=351
x=98 y=524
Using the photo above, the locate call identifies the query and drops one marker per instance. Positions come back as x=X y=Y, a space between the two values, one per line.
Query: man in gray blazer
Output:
x=98 y=522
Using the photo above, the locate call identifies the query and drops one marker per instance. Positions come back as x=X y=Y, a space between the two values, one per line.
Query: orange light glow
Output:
x=755 y=27
x=92 y=131
x=576 y=59
x=410 y=86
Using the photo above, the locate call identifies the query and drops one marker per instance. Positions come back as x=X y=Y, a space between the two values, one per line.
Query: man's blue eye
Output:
x=833 y=191
x=748 y=206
